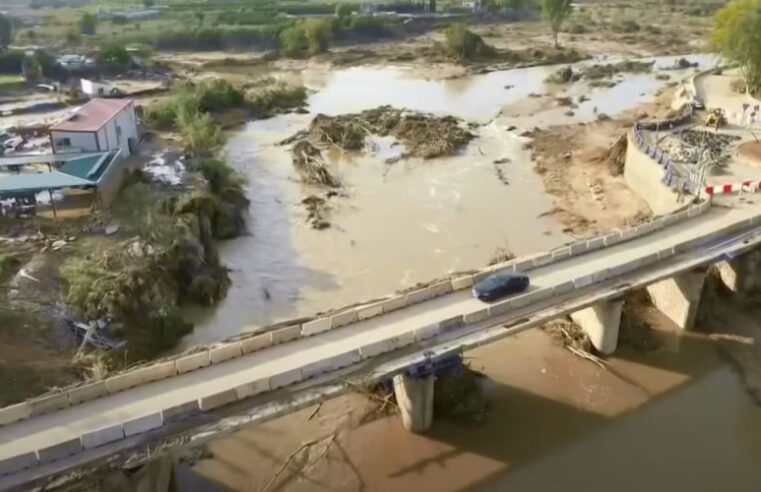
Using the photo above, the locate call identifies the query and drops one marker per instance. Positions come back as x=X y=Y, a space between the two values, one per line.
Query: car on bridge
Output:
x=500 y=285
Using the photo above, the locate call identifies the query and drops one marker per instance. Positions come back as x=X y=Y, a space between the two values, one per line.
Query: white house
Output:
x=99 y=125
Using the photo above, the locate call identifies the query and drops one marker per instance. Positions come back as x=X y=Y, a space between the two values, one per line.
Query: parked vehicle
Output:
x=500 y=285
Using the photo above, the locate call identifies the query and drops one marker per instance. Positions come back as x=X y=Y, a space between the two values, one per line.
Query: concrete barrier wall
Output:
x=646 y=177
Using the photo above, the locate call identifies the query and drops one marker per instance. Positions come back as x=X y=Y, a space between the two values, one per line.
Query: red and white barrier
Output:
x=744 y=187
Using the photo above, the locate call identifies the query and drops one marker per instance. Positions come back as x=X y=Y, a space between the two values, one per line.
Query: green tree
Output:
x=88 y=23
x=344 y=10
x=318 y=33
x=464 y=44
x=556 y=12
x=114 y=56
x=149 y=3
x=737 y=36
x=293 y=41
x=6 y=32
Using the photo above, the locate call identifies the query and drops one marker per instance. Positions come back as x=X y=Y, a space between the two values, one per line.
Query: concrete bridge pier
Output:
x=414 y=395
x=601 y=323
x=739 y=274
x=678 y=297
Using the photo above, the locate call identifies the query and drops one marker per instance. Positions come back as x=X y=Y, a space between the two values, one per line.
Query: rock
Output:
x=512 y=128
x=569 y=113
x=504 y=160
x=58 y=244
x=509 y=86
x=112 y=229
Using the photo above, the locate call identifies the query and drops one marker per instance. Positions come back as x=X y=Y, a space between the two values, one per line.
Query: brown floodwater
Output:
x=397 y=224
x=676 y=419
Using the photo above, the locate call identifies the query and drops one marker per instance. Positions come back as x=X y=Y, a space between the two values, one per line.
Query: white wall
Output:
x=127 y=123
x=79 y=140
x=102 y=138
x=645 y=177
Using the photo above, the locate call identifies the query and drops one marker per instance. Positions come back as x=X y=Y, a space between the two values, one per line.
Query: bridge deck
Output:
x=43 y=431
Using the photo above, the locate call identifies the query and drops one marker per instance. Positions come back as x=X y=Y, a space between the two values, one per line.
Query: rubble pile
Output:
x=696 y=145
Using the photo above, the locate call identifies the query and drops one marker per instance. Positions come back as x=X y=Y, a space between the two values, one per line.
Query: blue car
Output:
x=500 y=285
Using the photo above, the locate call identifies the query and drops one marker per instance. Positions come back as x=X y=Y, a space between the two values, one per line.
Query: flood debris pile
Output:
x=308 y=161
x=568 y=334
x=615 y=158
x=604 y=71
x=563 y=75
x=699 y=146
x=423 y=135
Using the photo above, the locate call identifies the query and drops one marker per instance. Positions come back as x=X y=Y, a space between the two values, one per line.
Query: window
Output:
x=63 y=142
x=118 y=132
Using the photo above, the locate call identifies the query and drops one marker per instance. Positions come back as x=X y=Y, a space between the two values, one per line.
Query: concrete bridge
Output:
x=294 y=365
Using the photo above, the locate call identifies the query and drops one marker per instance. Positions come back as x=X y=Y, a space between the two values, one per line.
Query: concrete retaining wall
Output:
x=645 y=177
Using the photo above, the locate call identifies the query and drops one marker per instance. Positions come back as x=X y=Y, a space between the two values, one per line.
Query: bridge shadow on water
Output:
x=544 y=402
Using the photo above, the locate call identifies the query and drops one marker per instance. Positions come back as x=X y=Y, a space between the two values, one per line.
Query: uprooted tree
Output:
x=737 y=36
x=556 y=12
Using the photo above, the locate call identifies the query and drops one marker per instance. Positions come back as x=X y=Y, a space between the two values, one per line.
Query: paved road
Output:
x=66 y=424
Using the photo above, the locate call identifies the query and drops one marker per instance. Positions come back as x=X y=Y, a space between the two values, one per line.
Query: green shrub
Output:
x=114 y=56
x=217 y=95
x=293 y=41
x=626 y=26
x=278 y=96
x=465 y=45
x=318 y=33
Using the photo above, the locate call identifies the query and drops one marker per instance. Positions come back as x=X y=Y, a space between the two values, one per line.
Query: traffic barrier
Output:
x=426 y=332
x=522 y=266
x=475 y=317
x=376 y=348
x=284 y=335
x=578 y=248
x=59 y=451
x=451 y=324
x=441 y=288
x=542 y=260
x=627 y=234
x=225 y=352
x=178 y=412
x=18 y=463
x=330 y=364
x=343 y=319
x=581 y=282
x=462 y=283
x=285 y=378
x=481 y=276
x=120 y=382
x=142 y=424
x=403 y=340
x=600 y=276
x=506 y=267
x=87 y=392
x=49 y=403
x=258 y=342
x=14 y=413
x=665 y=253
x=217 y=400
x=562 y=288
x=253 y=388
x=595 y=243
x=102 y=436
x=499 y=308
x=419 y=295
x=394 y=303
x=316 y=326
x=192 y=362
x=370 y=311
x=560 y=253
x=611 y=239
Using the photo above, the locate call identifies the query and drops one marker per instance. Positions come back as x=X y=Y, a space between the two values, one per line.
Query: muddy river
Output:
x=403 y=223
x=676 y=419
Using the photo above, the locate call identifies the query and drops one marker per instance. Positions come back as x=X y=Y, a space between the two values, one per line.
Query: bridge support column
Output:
x=679 y=297
x=739 y=274
x=601 y=322
x=415 y=399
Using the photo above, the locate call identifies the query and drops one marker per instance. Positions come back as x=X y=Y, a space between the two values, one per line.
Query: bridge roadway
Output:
x=46 y=430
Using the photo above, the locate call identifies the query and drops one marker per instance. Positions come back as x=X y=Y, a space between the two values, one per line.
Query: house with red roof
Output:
x=100 y=125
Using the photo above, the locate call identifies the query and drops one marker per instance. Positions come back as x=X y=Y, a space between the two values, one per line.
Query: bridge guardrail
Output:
x=284 y=332
x=151 y=421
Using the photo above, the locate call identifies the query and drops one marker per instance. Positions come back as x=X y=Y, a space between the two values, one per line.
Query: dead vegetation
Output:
x=308 y=161
x=423 y=135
